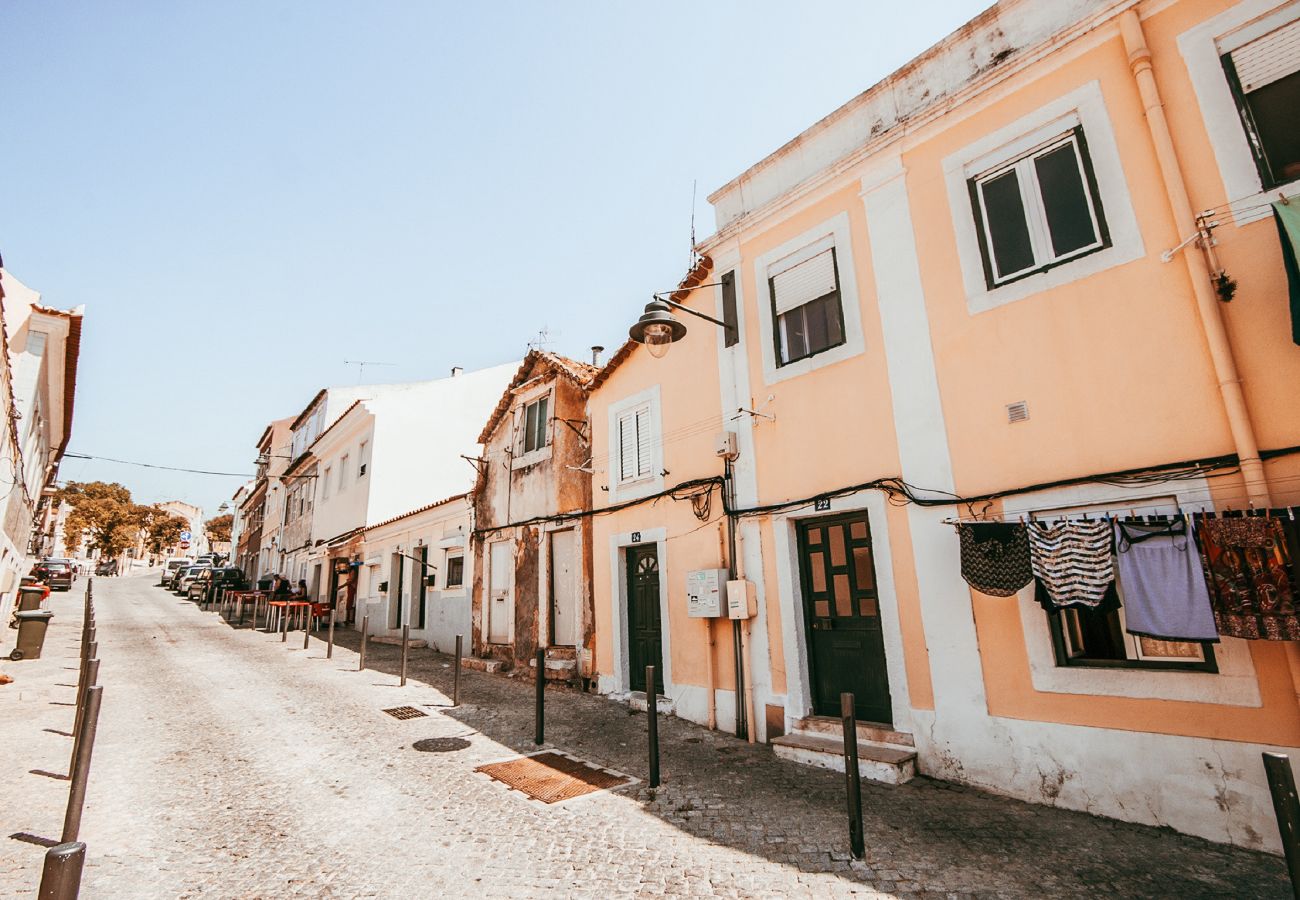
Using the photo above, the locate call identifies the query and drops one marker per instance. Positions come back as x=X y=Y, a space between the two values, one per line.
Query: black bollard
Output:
x=455 y=675
x=81 y=771
x=1281 y=783
x=652 y=723
x=365 y=633
x=540 y=736
x=406 y=640
x=92 y=678
x=852 y=781
x=308 y=616
x=329 y=648
x=284 y=624
x=61 y=874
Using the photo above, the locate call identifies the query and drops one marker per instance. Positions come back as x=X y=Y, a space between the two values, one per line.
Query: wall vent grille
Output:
x=1017 y=412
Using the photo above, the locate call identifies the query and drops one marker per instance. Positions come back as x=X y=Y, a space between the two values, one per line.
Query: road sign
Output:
x=185 y=535
x=185 y=545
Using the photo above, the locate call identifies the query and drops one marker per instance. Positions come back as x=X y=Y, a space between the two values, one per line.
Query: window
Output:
x=455 y=571
x=36 y=342
x=635 y=444
x=536 y=420
x=1038 y=211
x=731 y=335
x=1264 y=75
x=363 y=459
x=343 y=473
x=806 y=308
x=325 y=483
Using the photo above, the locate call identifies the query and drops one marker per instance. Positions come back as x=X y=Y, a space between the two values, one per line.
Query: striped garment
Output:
x=1073 y=560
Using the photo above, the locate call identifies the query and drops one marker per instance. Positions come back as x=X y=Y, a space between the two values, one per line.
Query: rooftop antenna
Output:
x=543 y=339
x=694 y=183
x=361 y=366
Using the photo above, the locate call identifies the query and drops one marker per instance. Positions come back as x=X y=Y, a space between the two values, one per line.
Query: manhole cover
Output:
x=405 y=712
x=552 y=777
x=440 y=745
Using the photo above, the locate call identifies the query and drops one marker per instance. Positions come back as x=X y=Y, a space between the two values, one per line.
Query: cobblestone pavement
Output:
x=230 y=764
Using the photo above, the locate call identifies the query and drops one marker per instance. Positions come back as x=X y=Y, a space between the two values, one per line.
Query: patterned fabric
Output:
x=1073 y=561
x=995 y=557
x=1250 y=578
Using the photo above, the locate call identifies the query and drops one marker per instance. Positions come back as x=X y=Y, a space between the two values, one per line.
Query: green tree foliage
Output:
x=106 y=512
x=218 y=529
x=161 y=528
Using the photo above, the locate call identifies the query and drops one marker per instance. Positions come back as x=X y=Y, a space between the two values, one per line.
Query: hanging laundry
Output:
x=1160 y=572
x=995 y=557
x=1073 y=561
x=1248 y=571
x=1287 y=216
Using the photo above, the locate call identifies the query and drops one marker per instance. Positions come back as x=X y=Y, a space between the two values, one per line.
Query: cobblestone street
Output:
x=230 y=764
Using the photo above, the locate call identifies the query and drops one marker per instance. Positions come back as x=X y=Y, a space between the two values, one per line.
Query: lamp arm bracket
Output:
x=686 y=309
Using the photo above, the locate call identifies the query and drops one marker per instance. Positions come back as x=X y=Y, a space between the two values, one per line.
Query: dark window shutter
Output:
x=731 y=335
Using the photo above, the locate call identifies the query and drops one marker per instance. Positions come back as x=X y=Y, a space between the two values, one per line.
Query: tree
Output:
x=105 y=511
x=161 y=528
x=218 y=529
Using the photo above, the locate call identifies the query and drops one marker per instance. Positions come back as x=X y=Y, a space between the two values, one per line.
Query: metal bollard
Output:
x=540 y=732
x=1286 y=805
x=329 y=648
x=406 y=639
x=852 y=778
x=455 y=675
x=284 y=624
x=92 y=678
x=81 y=771
x=365 y=633
x=61 y=874
x=308 y=616
x=652 y=723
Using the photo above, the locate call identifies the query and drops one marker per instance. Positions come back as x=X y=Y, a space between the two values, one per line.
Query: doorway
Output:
x=644 y=625
x=499 y=585
x=846 y=646
x=420 y=592
x=564 y=593
x=396 y=592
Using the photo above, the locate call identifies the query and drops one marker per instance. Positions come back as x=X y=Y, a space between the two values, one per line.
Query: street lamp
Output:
x=658 y=328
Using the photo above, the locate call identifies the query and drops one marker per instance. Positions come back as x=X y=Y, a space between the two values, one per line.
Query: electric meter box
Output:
x=704 y=589
x=741 y=601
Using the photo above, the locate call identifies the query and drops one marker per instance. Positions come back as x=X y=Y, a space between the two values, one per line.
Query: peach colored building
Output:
x=984 y=277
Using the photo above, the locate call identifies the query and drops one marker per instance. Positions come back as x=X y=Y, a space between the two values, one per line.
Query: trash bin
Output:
x=30 y=597
x=31 y=633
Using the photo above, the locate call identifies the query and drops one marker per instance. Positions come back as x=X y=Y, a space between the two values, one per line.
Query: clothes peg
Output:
x=1290 y=511
x=1286 y=201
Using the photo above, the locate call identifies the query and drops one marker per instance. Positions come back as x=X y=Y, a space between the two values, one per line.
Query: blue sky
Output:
x=246 y=194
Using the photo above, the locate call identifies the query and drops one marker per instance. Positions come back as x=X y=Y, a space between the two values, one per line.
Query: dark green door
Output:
x=420 y=592
x=846 y=646
x=645 y=633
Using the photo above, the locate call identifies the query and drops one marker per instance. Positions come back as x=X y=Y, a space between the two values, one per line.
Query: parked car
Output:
x=231 y=577
x=106 y=567
x=57 y=573
x=171 y=567
x=186 y=576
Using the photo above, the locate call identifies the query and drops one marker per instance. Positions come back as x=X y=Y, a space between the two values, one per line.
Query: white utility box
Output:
x=704 y=593
x=741 y=601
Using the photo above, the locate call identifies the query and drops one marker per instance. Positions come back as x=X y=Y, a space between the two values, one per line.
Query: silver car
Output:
x=186 y=577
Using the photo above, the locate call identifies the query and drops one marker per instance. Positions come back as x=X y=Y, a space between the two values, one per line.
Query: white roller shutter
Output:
x=805 y=282
x=1269 y=58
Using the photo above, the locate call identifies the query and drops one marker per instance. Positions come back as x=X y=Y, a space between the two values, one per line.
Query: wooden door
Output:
x=846 y=647
x=564 y=589
x=419 y=585
x=500 y=562
x=397 y=592
x=645 y=631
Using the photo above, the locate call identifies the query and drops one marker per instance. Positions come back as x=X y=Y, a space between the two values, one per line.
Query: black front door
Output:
x=420 y=586
x=846 y=647
x=644 y=637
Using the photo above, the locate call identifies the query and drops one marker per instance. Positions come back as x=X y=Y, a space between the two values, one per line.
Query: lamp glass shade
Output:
x=658 y=338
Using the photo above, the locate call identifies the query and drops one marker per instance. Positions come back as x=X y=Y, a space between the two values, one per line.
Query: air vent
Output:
x=1017 y=412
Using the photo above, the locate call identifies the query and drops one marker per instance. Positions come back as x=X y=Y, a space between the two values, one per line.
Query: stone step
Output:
x=867 y=731
x=557 y=669
x=876 y=762
x=397 y=641
x=477 y=664
x=637 y=700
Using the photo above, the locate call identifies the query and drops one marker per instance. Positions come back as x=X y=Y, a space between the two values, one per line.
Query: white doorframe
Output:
x=618 y=543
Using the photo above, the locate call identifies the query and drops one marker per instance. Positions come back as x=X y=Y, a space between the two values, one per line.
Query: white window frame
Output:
x=325 y=483
x=644 y=485
x=834 y=232
x=363 y=460
x=1031 y=199
x=447 y=557
x=1083 y=106
x=1201 y=48
x=521 y=458
x=343 y=473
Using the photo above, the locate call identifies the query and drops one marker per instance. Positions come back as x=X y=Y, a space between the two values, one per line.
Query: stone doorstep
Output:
x=637 y=700
x=557 y=669
x=476 y=664
x=876 y=762
x=867 y=731
x=397 y=641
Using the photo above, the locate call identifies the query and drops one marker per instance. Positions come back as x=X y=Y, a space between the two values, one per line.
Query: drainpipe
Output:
x=738 y=649
x=1207 y=302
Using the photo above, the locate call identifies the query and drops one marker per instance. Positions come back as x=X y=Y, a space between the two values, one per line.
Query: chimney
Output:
x=456 y=370
x=595 y=354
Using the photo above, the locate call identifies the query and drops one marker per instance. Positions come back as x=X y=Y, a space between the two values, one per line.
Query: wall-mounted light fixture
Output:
x=658 y=328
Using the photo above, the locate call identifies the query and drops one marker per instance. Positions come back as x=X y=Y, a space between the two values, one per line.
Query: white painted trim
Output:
x=837 y=229
x=1087 y=106
x=1234 y=685
x=1200 y=47
x=620 y=683
x=644 y=486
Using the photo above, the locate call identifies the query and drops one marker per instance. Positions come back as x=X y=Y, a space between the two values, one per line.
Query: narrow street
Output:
x=230 y=764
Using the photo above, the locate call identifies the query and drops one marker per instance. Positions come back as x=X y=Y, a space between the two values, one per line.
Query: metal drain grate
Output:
x=440 y=745
x=405 y=712
x=551 y=777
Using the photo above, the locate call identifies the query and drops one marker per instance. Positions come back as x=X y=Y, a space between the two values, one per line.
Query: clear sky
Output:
x=246 y=193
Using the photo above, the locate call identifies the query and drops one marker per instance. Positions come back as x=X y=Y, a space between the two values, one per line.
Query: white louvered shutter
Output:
x=627 y=446
x=643 y=437
x=805 y=282
x=1269 y=58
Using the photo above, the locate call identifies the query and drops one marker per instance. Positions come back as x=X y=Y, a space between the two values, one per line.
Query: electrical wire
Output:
x=128 y=462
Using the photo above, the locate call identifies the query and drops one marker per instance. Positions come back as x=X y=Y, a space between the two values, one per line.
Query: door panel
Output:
x=564 y=593
x=645 y=632
x=499 y=585
x=846 y=647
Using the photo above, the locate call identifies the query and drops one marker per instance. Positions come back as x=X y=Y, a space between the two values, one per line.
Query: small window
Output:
x=1265 y=79
x=325 y=483
x=343 y=473
x=635 y=444
x=536 y=421
x=806 y=308
x=455 y=571
x=1038 y=211
x=363 y=459
x=730 y=317
x=36 y=342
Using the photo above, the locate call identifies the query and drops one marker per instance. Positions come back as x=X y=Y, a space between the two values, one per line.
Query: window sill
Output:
x=1209 y=667
x=531 y=458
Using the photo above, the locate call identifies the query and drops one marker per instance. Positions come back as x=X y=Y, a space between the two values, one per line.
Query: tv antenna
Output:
x=543 y=339
x=361 y=366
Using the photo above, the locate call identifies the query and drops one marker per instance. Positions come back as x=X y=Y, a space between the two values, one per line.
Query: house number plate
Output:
x=636 y=537
x=822 y=505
